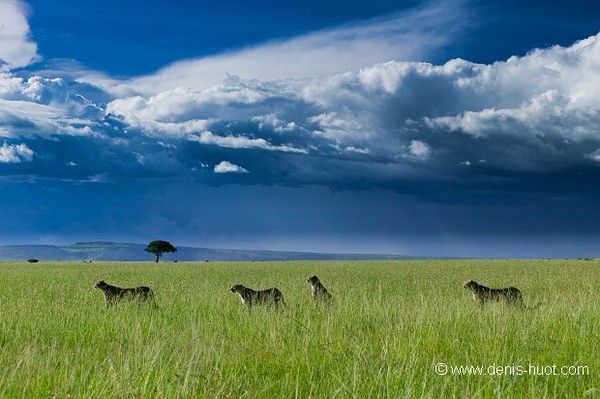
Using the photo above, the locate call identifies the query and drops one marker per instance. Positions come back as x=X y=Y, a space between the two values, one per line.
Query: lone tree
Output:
x=159 y=247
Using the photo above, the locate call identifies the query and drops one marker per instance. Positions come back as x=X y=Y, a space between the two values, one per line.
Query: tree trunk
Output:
x=157 y=257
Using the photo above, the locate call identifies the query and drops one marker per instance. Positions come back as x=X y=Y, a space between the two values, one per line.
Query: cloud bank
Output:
x=325 y=119
x=523 y=114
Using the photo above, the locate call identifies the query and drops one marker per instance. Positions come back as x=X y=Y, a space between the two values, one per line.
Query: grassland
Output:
x=392 y=322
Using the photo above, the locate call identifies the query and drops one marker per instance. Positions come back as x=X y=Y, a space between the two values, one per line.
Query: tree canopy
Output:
x=160 y=247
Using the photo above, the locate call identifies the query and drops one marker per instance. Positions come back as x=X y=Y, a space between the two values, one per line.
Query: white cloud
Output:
x=549 y=113
x=181 y=111
x=188 y=113
x=208 y=137
x=228 y=167
x=419 y=149
x=16 y=48
x=272 y=121
x=545 y=99
x=26 y=118
x=412 y=34
x=337 y=128
x=41 y=106
x=34 y=88
x=179 y=104
x=15 y=153
x=357 y=150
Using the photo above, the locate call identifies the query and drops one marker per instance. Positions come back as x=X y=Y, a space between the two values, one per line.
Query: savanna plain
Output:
x=391 y=325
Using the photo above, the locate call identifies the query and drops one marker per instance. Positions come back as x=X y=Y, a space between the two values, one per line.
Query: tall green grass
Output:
x=391 y=323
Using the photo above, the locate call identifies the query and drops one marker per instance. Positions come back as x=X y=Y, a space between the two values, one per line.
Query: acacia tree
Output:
x=160 y=247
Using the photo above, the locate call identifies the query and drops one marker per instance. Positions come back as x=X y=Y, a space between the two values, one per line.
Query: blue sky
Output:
x=425 y=128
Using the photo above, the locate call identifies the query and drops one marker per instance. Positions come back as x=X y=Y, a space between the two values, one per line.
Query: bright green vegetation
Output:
x=392 y=322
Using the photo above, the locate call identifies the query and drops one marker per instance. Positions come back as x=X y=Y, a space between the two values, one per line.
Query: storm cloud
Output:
x=393 y=125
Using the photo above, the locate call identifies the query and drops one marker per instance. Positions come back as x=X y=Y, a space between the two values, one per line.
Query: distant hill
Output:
x=114 y=251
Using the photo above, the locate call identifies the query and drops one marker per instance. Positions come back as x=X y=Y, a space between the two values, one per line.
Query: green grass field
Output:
x=391 y=324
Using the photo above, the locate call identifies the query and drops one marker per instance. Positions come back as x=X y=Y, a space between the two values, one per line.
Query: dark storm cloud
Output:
x=438 y=131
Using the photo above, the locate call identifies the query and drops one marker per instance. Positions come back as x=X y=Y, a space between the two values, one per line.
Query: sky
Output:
x=436 y=128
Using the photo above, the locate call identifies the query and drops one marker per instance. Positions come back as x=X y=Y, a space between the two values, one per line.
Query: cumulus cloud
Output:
x=188 y=108
x=357 y=150
x=271 y=121
x=541 y=104
x=43 y=106
x=228 y=167
x=16 y=48
x=419 y=148
x=15 y=153
x=208 y=137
